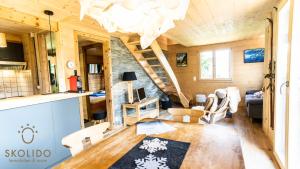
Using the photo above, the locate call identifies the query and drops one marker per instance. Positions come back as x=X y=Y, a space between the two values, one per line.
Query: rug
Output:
x=153 y=127
x=154 y=153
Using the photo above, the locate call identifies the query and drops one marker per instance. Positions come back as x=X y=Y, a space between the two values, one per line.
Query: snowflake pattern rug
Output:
x=154 y=153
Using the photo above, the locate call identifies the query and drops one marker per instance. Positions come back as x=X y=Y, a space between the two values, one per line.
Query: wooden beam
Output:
x=30 y=58
x=44 y=65
x=165 y=64
x=23 y=18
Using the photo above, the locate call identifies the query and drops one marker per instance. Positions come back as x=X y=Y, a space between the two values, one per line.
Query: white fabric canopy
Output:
x=148 y=18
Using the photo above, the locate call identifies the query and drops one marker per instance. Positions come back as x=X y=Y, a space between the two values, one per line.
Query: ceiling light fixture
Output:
x=148 y=18
x=3 y=43
x=50 y=13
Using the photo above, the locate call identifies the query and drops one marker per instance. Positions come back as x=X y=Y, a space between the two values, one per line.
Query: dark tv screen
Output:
x=13 y=52
x=141 y=94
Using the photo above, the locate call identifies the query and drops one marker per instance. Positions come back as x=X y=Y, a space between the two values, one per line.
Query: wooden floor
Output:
x=257 y=150
x=230 y=144
x=212 y=147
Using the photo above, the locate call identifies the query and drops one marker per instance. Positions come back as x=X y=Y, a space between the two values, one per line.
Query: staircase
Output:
x=155 y=64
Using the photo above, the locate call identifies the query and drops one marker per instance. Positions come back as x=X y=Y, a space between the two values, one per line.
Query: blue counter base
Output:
x=31 y=136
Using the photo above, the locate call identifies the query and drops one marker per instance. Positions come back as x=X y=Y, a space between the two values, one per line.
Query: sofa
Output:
x=254 y=104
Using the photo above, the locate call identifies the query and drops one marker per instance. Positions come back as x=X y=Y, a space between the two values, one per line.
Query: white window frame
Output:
x=214 y=66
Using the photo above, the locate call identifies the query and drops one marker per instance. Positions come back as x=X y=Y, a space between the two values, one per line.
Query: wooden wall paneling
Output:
x=65 y=51
x=245 y=76
x=30 y=58
x=13 y=38
x=44 y=65
x=163 y=42
x=93 y=27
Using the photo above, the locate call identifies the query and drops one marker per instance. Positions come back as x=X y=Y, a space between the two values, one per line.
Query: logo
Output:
x=29 y=153
x=27 y=133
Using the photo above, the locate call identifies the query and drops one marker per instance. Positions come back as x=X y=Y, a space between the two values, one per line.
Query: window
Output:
x=215 y=65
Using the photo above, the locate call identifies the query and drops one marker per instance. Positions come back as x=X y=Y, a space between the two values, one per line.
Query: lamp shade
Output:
x=129 y=76
x=3 y=40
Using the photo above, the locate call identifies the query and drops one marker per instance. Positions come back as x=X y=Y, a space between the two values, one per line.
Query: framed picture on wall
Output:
x=181 y=59
x=254 y=55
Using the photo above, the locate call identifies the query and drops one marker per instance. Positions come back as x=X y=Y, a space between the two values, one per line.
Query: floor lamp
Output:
x=129 y=77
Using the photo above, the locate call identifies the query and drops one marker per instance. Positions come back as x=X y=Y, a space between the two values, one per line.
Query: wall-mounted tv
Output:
x=254 y=55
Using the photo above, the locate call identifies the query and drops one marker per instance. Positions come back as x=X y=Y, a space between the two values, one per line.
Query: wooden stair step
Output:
x=134 y=43
x=143 y=51
x=147 y=59
x=156 y=77
x=155 y=65
x=151 y=58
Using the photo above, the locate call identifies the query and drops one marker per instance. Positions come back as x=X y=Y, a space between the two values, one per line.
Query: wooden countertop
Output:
x=16 y=102
x=212 y=146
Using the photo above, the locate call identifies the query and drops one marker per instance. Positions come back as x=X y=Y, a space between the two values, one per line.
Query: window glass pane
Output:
x=206 y=61
x=222 y=58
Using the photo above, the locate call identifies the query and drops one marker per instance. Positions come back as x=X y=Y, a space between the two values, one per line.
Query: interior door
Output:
x=281 y=84
x=294 y=91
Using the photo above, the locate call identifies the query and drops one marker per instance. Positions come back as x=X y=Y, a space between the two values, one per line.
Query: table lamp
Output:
x=129 y=77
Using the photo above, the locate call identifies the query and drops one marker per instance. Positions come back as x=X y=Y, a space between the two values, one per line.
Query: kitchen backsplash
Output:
x=15 y=83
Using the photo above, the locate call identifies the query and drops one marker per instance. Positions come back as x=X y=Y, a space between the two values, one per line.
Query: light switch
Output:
x=194 y=78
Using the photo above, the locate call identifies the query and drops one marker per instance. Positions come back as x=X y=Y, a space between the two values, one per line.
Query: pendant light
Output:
x=50 y=13
x=3 y=43
x=148 y=18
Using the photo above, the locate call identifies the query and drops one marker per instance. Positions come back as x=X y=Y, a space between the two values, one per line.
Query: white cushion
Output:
x=215 y=104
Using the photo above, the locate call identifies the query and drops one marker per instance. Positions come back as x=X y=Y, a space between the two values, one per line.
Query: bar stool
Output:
x=99 y=116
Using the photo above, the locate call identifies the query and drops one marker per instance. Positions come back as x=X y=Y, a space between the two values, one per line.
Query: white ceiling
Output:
x=206 y=22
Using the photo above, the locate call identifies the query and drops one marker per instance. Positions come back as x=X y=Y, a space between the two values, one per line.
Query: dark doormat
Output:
x=154 y=153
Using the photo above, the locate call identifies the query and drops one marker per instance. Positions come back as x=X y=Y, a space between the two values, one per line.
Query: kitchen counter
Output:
x=16 y=102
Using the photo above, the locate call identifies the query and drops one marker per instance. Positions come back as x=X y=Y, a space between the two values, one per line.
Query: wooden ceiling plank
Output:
x=26 y=19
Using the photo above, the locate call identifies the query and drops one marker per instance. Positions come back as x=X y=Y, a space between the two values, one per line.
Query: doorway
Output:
x=93 y=53
x=92 y=74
